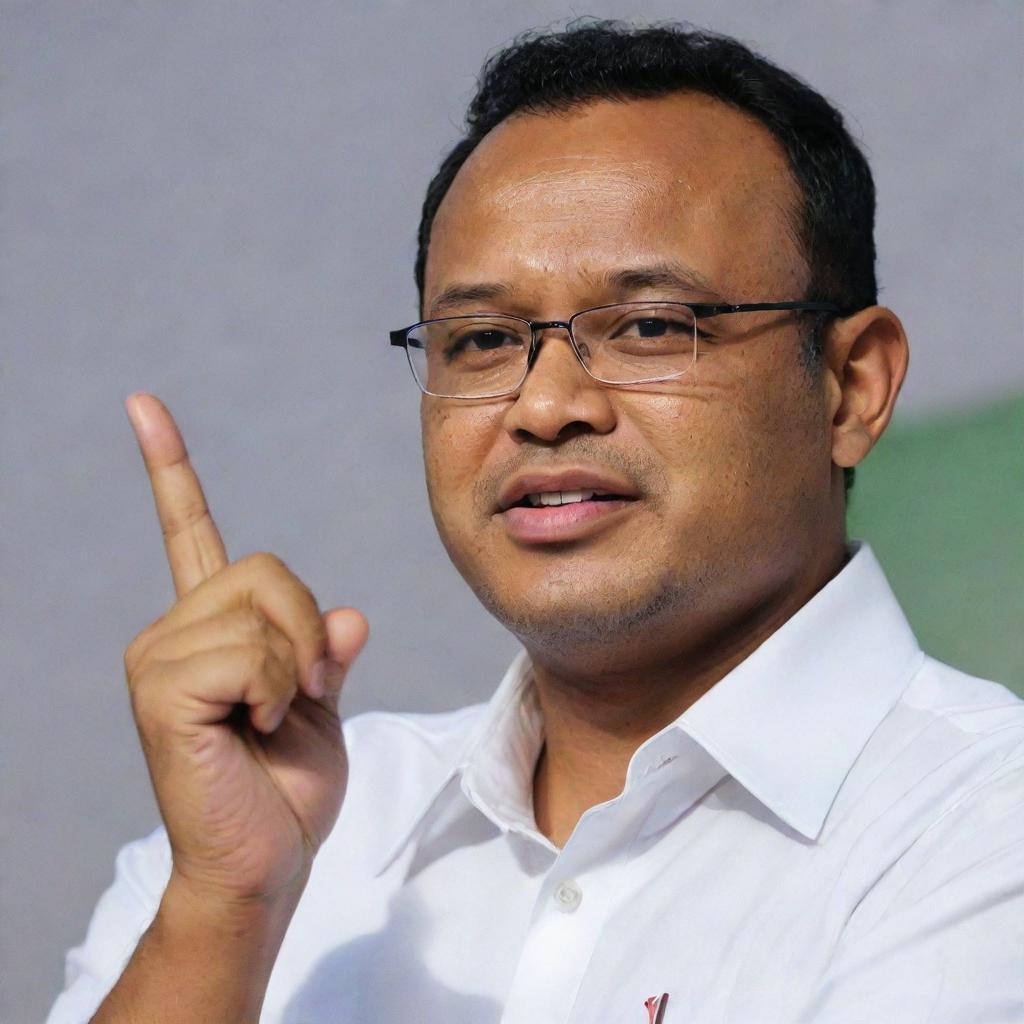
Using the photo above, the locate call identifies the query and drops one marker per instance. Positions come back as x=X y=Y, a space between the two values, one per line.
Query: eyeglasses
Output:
x=488 y=355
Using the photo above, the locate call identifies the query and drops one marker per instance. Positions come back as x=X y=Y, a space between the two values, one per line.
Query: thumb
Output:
x=347 y=631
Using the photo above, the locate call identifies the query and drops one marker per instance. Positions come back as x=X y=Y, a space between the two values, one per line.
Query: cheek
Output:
x=740 y=446
x=781 y=453
x=708 y=447
x=455 y=443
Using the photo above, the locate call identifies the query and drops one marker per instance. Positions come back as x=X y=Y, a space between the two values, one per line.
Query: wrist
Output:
x=243 y=935
x=225 y=882
x=191 y=902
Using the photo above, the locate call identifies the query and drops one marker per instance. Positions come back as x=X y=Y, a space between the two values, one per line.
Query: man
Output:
x=722 y=783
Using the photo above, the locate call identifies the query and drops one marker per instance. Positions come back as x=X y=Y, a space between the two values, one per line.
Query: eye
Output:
x=654 y=327
x=484 y=340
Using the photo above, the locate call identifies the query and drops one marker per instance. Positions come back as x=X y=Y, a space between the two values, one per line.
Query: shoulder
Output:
x=969 y=737
x=947 y=763
x=970 y=706
x=949 y=755
x=934 y=809
x=950 y=733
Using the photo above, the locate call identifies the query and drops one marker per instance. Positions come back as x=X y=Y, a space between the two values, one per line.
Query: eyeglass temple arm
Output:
x=717 y=308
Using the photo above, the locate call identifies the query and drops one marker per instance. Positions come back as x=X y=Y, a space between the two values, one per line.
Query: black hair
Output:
x=545 y=71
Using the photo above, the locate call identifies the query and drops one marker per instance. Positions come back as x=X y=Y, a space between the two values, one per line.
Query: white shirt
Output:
x=833 y=833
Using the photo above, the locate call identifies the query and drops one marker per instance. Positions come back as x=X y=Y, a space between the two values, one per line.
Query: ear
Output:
x=867 y=355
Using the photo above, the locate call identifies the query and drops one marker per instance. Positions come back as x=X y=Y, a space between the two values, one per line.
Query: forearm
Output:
x=200 y=963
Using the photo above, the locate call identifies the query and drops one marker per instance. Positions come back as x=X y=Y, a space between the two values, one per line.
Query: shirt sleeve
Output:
x=946 y=944
x=122 y=915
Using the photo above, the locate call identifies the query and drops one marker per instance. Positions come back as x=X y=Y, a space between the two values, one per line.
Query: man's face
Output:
x=724 y=473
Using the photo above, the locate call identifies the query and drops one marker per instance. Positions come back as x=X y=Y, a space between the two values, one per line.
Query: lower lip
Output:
x=550 y=524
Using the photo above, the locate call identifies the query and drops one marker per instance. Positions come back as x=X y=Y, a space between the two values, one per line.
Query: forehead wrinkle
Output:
x=607 y=185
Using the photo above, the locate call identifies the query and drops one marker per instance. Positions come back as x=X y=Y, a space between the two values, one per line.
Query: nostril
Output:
x=575 y=428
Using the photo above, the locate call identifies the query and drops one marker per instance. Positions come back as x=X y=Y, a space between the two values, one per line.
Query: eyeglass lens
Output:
x=482 y=356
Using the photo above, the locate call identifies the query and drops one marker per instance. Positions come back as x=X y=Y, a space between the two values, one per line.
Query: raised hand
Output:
x=235 y=704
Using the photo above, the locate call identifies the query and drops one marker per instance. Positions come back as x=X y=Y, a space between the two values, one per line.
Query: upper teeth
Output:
x=559 y=497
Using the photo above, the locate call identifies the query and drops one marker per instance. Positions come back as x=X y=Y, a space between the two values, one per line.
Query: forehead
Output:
x=575 y=194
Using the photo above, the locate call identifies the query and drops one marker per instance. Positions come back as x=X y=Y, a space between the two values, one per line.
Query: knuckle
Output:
x=134 y=651
x=254 y=625
x=269 y=563
x=260 y=660
x=274 y=674
x=282 y=648
x=265 y=561
x=303 y=588
x=275 y=679
x=185 y=516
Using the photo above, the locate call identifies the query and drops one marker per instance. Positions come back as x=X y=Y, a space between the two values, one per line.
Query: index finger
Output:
x=193 y=543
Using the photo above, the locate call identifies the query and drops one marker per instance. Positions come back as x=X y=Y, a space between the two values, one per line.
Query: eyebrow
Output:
x=661 y=275
x=458 y=294
x=672 y=275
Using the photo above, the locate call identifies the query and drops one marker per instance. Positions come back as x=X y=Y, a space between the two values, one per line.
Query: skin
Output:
x=739 y=520
x=741 y=514
x=247 y=798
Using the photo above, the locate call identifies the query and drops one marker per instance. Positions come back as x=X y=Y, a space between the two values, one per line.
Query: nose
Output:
x=559 y=398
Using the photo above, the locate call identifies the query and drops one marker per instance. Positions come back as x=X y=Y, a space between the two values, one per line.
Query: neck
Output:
x=596 y=718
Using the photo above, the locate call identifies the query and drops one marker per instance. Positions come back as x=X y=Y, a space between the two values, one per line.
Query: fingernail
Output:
x=318 y=679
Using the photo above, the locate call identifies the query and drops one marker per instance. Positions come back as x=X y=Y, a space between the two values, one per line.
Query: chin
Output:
x=574 y=615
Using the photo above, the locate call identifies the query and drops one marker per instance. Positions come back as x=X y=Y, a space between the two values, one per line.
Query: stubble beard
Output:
x=588 y=616
x=570 y=627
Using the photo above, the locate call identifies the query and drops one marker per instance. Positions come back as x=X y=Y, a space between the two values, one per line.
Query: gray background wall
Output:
x=216 y=202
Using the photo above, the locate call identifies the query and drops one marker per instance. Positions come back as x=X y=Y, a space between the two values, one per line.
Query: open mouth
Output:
x=551 y=517
x=548 y=499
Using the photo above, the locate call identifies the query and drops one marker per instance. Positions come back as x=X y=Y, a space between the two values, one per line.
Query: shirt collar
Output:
x=497 y=756
x=790 y=720
x=787 y=723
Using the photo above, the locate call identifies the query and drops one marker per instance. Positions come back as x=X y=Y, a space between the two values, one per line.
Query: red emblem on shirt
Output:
x=655 y=1006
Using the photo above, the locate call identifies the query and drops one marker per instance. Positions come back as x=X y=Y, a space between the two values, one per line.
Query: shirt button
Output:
x=567 y=897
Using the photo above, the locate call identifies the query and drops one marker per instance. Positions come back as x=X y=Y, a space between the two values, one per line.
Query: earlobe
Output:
x=868 y=359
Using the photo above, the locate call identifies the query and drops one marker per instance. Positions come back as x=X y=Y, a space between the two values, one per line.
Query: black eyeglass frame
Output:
x=400 y=337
